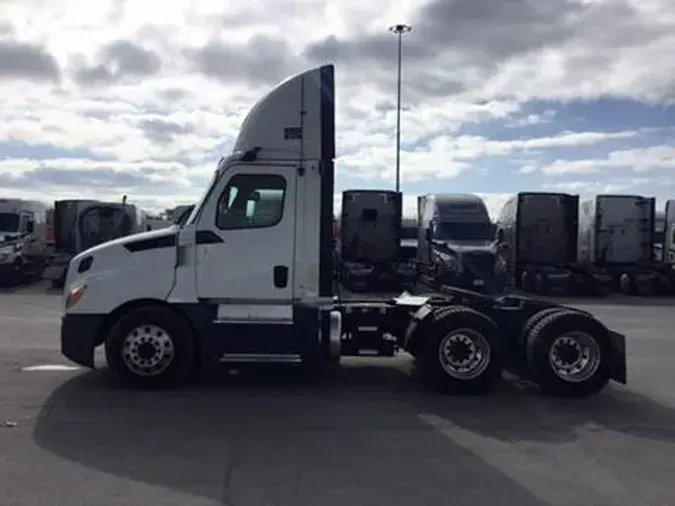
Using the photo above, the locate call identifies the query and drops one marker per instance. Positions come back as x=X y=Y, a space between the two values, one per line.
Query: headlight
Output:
x=6 y=252
x=75 y=295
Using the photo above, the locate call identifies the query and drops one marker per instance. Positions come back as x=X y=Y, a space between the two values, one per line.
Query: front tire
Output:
x=461 y=353
x=151 y=347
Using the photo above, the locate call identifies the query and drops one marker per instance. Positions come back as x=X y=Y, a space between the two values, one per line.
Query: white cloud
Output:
x=134 y=97
x=639 y=160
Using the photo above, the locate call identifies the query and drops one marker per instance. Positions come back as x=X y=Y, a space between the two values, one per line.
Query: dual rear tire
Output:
x=567 y=353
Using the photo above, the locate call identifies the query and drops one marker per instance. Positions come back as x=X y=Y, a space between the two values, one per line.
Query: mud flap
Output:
x=618 y=341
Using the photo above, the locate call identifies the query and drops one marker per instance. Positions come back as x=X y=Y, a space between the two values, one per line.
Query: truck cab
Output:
x=456 y=241
x=23 y=246
x=249 y=266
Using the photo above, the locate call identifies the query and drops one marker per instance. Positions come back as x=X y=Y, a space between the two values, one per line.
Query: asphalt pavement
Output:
x=365 y=435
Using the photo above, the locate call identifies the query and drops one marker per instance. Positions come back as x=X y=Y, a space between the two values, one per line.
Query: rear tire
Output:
x=151 y=347
x=569 y=354
x=462 y=352
x=532 y=322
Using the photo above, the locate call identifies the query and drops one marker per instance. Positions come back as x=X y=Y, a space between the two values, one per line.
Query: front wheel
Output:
x=151 y=347
x=569 y=354
x=462 y=352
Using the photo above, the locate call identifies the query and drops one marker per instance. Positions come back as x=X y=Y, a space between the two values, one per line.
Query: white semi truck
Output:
x=23 y=240
x=238 y=286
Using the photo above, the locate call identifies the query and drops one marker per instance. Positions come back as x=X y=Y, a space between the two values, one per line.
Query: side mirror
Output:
x=30 y=227
x=500 y=235
x=255 y=196
x=427 y=234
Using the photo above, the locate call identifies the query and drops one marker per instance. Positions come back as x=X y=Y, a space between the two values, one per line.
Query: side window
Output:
x=251 y=201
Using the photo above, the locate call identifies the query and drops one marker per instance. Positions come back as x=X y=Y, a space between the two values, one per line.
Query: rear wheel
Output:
x=530 y=324
x=569 y=354
x=461 y=353
x=151 y=347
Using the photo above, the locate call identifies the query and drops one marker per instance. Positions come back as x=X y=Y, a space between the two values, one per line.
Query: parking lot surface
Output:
x=365 y=435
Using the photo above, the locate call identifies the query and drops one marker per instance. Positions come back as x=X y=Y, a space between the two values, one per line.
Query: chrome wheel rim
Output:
x=147 y=350
x=575 y=357
x=464 y=354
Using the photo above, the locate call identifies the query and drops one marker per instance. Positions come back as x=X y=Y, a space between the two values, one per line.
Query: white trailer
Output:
x=616 y=233
x=239 y=287
x=23 y=236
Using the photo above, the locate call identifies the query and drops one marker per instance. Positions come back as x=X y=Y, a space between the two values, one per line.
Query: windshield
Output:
x=9 y=222
x=463 y=231
x=196 y=209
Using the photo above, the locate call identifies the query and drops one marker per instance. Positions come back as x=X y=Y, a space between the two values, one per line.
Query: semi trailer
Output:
x=220 y=289
x=537 y=236
x=616 y=234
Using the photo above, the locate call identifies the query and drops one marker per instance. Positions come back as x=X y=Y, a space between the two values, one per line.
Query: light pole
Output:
x=399 y=30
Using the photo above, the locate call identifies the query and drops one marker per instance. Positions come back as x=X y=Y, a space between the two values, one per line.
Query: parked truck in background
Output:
x=456 y=242
x=537 y=236
x=180 y=214
x=81 y=224
x=369 y=239
x=23 y=240
x=668 y=238
x=659 y=235
x=153 y=222
x=616 y=233
x=406 y=267
x=409 y=239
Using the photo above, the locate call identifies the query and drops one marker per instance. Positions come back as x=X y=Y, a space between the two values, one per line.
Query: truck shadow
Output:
x=268 y=438
x=519 y=412
x=273 y=427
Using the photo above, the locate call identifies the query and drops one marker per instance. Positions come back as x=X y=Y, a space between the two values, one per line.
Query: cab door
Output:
x=244 y=243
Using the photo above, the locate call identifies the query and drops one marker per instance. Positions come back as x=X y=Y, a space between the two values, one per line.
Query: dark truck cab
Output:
x=369 y=240
x=81 y=224
x=456 y=243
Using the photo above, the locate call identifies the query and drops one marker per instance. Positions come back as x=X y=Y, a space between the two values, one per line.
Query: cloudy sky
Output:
x=115 y=97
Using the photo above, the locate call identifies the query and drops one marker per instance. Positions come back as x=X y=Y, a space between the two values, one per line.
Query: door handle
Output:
x=280 y=276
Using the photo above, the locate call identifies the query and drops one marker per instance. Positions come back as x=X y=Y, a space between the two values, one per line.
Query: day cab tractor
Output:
x=248 y=278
